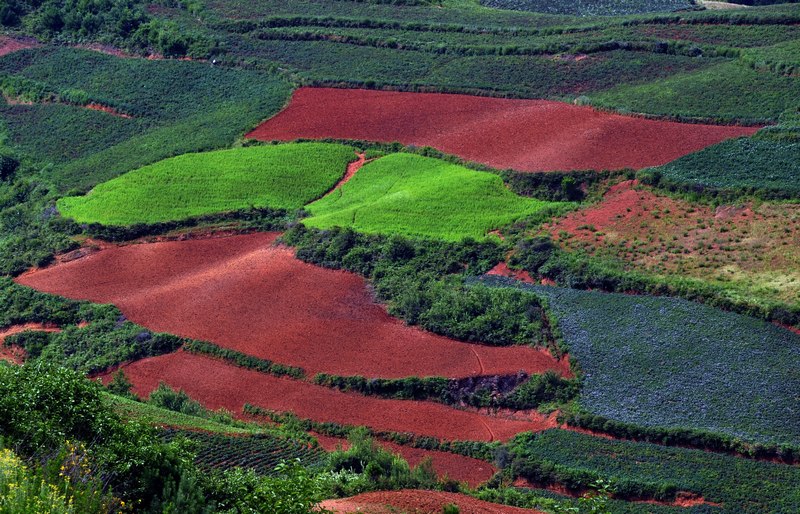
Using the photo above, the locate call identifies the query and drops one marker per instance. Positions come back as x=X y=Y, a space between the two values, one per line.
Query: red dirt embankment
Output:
x=243 y=293
x=13 y=353
x=526 y=135
x=457 y=467
x=418 y=502
x=9 y=45
x=217 y=384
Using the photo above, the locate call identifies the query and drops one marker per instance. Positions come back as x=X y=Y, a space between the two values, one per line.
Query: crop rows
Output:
x=258 y=452
x=591 y=7
x=668 y=362
x=648 y=470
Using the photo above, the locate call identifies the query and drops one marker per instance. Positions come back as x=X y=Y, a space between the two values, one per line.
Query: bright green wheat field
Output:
x=420 y=196
x=280 y=176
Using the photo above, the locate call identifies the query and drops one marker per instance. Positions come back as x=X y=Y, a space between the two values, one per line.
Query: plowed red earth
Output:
x=15 y=354
x=418 y=502
x=526 y=135
x=217 y=384
x=244 y=293
x=457 y=467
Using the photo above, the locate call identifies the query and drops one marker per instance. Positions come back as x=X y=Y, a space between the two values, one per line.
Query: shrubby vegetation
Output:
x=419 y=280
x=517 y=392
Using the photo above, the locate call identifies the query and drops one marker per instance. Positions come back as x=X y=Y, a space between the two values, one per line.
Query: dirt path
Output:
x=352 y=168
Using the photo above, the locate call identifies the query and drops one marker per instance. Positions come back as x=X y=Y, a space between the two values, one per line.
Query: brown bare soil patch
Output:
x=526 y=135
x=457 y=467
x=244 y=293
x=9 y=45
x=751 y=247
x=217 y=384
x=418 y=502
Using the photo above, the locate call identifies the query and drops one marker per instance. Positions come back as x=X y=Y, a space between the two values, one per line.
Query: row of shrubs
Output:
x=243 y=360
x=690 y=438
x=517 y=392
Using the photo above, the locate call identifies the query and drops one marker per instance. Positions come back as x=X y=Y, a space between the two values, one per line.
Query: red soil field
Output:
x=457 y=467
x=421 y=502
x=217 y=384
x=244 y=293
x=526 y=135
x=15 y=354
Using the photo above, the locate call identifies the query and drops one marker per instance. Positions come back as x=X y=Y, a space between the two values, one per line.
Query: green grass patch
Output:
x=420 y=196
x=280 y=176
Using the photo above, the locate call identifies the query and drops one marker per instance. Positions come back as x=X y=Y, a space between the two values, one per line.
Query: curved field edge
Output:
x=424 y=197
x=277 y=177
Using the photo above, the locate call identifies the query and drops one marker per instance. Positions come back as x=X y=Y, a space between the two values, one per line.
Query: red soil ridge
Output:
x=217 y=384
x=106 y=109
x=9 y=45
x=244 y=293
x=526 y=135
x=419 y=502
x=502 y=270
x=456 y=467
x=13 y=353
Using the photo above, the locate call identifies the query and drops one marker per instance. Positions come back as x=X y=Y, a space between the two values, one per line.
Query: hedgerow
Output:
x=517 y=392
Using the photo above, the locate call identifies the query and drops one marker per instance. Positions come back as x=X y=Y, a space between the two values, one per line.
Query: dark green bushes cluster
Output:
x=122 y=22
x=106 y=339
x=518 y=392
x=686 y=437
x=242 y=360
x=385 y=470
x=557 y=186
x=408 y=273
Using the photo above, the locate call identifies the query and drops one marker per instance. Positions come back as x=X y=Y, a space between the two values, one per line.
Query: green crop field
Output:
x=175 y=107
x=276 y=176
x=766 y=166
x=667 y=362
x=737 y=485
x=420 y=196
